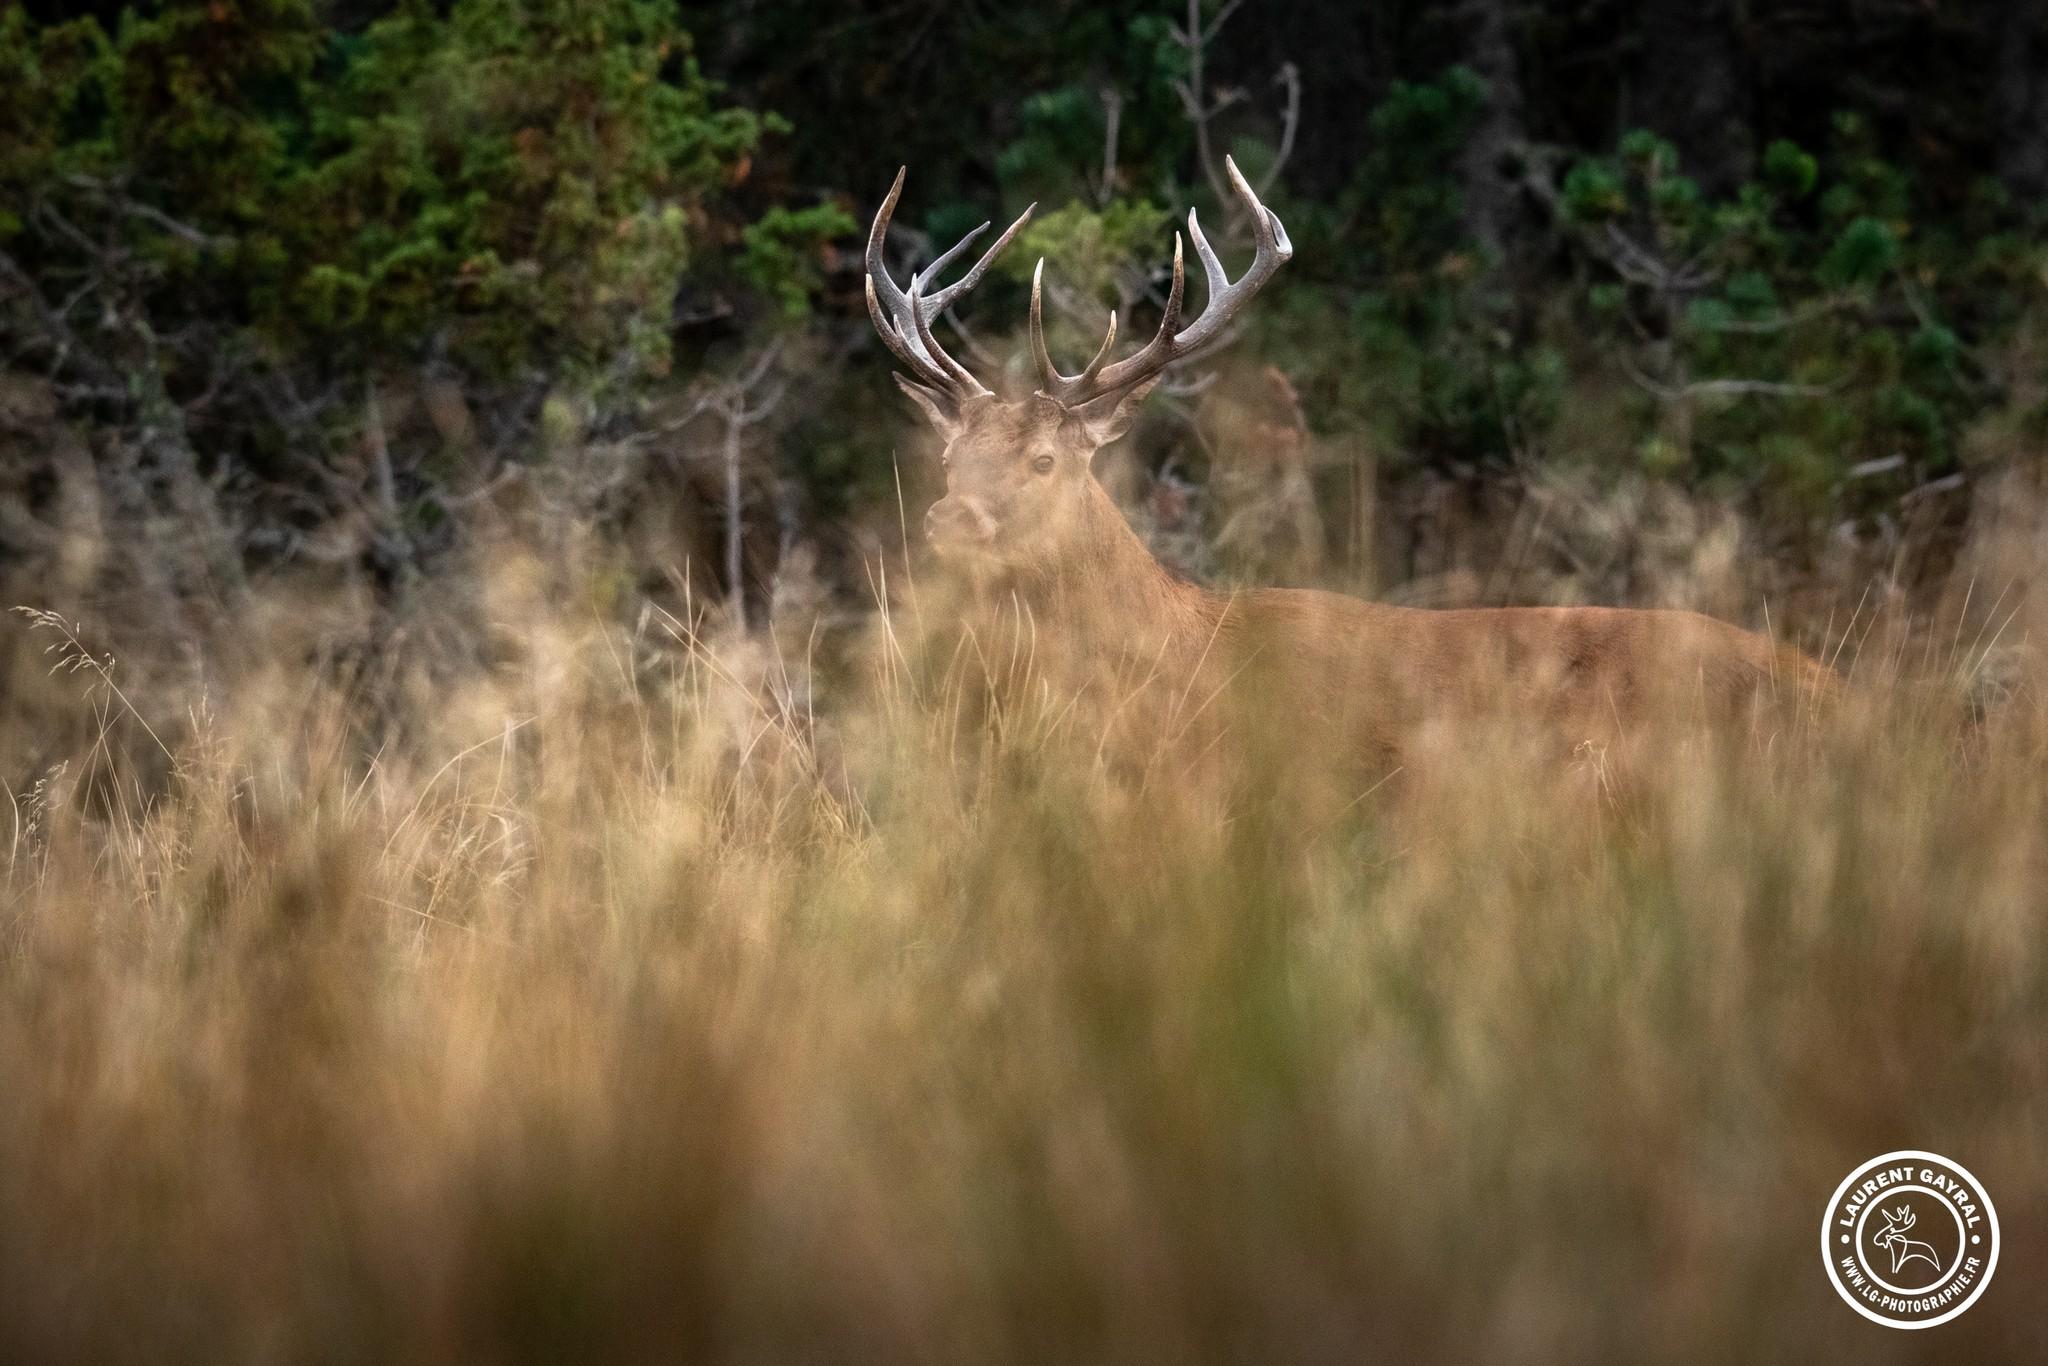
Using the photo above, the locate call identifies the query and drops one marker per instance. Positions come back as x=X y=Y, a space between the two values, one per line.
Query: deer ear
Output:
x=939 y=407
x=1110 y=416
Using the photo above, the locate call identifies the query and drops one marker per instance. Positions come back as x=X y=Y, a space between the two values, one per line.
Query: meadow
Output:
x=509 y=858
x=648 y=993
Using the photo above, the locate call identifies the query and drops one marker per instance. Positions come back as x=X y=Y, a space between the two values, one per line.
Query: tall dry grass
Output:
x=619 y=1001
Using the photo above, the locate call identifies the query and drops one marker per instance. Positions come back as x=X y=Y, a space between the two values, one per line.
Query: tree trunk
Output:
x=2023 y=98
x=735 y=517
x=1491 y=200
x=1693 y=85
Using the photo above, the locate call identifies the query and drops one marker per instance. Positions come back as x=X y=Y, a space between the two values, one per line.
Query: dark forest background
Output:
x=1590 y=298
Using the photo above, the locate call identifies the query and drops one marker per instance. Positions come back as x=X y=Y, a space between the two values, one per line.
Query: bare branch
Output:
x=1777 y=322
x=1870 y=469
x=1948 y=483
x=1202 y=107
x=484 y=492
x=58 y=334
x=135 y=208
x=1724 y=388
x=1195 y=40
x=980 y=354
x=1222 y=17
x=734 y=401
x=380 y=455
x=1112 y=116
x=1290 y=123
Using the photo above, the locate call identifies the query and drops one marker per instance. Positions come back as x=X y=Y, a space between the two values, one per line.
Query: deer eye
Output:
x=1043 y=464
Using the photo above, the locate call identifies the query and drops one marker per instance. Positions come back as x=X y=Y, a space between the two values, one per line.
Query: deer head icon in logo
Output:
x=1892 y=1238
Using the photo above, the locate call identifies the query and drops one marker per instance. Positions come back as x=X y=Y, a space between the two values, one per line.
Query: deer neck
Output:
x=1108 y=589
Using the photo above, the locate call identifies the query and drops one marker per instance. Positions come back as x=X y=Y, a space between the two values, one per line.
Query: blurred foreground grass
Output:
x=652 y=1027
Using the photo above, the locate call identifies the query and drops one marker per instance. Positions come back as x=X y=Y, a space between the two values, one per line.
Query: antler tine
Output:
x=944 y=298
x=878 y=231
x=1212 y=268
x=1055 y=384
x=938 y=267
x=958 y=377
x=1094 y=365
x=902 y=317
x=893 y=339
x=1047 y=373
x=1158 y=352
x=1267 y=230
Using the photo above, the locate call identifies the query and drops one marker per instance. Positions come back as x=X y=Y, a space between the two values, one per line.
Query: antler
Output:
x=903 y=317
x=1905 y=1217
x=1171 y=342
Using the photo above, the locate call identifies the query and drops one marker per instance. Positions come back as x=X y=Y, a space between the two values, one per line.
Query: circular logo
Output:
x=1910 y=1239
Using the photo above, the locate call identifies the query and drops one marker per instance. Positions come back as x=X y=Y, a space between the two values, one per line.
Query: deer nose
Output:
x=958 y=522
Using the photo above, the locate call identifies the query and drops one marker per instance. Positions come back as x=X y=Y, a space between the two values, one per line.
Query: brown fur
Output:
x=1333 y=670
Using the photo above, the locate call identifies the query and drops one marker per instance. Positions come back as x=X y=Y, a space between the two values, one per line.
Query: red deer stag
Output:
x=1025 y=516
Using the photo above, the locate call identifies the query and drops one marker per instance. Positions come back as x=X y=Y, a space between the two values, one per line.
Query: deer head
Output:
x=1020 y=488
x=1896 y=1222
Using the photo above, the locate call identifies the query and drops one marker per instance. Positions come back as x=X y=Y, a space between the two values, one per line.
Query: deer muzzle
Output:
x=959 y=524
